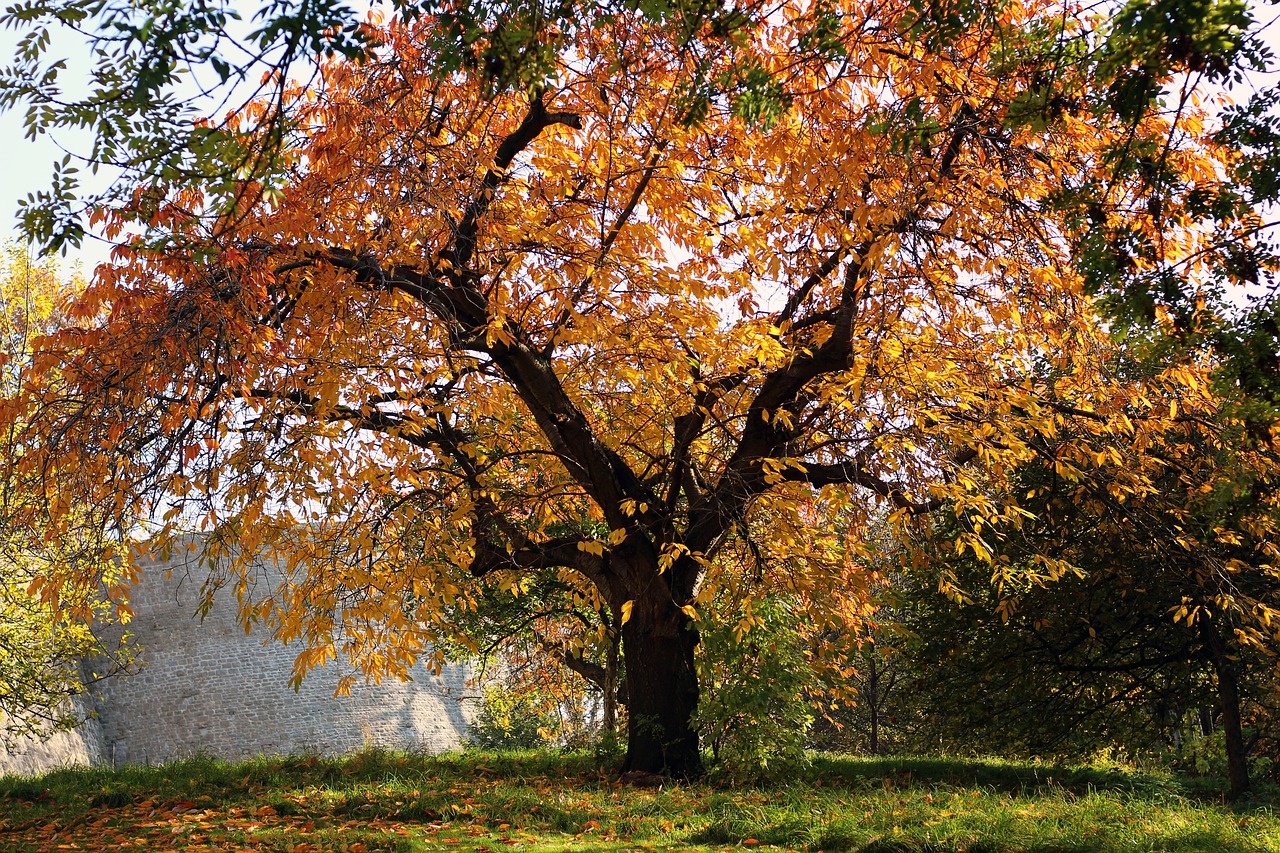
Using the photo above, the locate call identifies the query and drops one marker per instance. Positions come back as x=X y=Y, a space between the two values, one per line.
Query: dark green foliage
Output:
x=1151 y=39
x=1253 y=128
x=1251 y=346
x=757 y=97
x=1139 y=648
x=132 y=110
x=939 y=22
x=1081 y=664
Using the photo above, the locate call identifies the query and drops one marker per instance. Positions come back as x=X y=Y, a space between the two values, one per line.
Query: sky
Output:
x=26 y=165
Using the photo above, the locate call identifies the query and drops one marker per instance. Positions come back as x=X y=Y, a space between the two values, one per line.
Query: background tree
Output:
x=883 y=710
x=553 y=644
x=476 y=319
x=48 y=651
x=1163 y=603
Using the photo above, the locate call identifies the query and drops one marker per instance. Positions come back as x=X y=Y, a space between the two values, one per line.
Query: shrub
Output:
x=755 y=709
x=508 y=721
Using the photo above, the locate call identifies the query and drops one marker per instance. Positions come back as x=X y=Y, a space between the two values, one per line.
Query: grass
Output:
x=549 y=803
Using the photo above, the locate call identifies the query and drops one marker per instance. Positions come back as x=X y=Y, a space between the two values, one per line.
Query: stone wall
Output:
x=83 y=746
x=206 y=687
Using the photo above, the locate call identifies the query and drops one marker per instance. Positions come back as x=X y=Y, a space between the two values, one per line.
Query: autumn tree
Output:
x=1157 y=603
x=48 y=650
x=655 y=344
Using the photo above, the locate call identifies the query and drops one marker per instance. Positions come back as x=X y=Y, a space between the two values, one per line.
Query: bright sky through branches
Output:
x=27 y=163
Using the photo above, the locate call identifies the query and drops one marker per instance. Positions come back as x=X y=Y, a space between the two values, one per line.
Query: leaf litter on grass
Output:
x=557 y=804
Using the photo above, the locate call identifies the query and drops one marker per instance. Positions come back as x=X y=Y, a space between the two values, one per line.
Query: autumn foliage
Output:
x=52 y=642
x=641 y=327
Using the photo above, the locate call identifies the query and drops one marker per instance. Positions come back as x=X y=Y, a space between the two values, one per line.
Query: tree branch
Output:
x=562 y=552
x=856 y=473
x=535 y=121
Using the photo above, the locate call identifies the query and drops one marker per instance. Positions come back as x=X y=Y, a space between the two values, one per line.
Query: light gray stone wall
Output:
x=80 y=747
x=206 y=687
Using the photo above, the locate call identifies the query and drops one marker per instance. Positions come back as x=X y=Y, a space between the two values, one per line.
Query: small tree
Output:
x=555 y=648
x=758 y=690
x=1149 y=606
x=48 y=651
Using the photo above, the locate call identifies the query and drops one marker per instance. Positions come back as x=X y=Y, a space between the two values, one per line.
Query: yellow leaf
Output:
x=596 y=548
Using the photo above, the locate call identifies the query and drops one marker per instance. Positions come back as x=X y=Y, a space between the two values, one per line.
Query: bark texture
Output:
x=658 y=645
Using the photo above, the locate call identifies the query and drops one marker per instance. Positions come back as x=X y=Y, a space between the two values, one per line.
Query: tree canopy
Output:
x=160 y=71
x=661 y=345
x=1170 y=604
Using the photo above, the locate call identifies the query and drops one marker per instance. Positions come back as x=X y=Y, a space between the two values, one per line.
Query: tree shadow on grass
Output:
x=1194 y=842
x=997 y=774
x=1022 y=777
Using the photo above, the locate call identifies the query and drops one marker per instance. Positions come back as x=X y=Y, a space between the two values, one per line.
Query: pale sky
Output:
x=27 y=165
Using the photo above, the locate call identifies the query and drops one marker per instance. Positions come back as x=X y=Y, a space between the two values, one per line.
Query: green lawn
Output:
x=547 y=803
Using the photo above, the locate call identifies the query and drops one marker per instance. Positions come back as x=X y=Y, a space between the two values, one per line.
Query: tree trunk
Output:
x=1229 y=698
x=1237 y=758
x=658 y=643
x=1206 y=721
x=610 y=722
x=873 y=704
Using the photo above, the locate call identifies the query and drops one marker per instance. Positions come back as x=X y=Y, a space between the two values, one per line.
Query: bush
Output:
x=1206 y=755
x=755 y=709
x=508 y=721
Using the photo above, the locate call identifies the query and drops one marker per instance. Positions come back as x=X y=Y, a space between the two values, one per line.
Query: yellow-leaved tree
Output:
x=50 y=647
x=633 y=326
